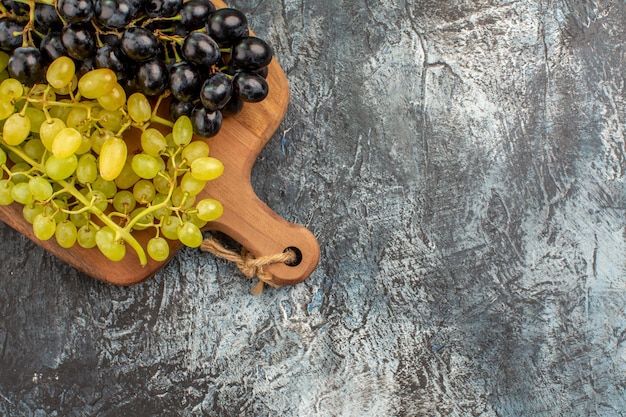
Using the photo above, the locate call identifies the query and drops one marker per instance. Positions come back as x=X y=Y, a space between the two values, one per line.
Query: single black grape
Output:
x=163 y=8
x=206 y=123
x=76 y=11
x=152 y=77
x=200 y=49
x=179 y=108
x=25 y=65
x=51 y=47
x=233 y=107
x=9 y=41
x=194 y=13
x=46 y=18
x=227 y=25
x=216 y=91
x=250 y=87
x=116 y=14
x=140 y=44
x=251 y=53
x=79 y=41
x=113 y=58
x=185 y=82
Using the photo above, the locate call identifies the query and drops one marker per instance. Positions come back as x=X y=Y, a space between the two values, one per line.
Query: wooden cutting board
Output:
x=246 y=218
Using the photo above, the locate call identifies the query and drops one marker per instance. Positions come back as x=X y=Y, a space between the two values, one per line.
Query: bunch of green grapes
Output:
x=64 y=158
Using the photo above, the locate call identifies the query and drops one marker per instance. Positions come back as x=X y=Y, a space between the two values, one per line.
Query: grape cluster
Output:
x=63 y=156
x=204 y=57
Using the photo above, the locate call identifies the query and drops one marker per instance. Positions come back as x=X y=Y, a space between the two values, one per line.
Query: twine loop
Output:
x=250 y=266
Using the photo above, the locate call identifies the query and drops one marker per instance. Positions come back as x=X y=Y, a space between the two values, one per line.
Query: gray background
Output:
x=462 y=164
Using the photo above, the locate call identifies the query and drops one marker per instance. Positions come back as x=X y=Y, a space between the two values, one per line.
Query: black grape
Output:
x=140 y=44
x=75 y=11
x=251 y=53
x=25 y=65
x=194 y=13
x=8 y=41
x=185 y=82
x=216 y=91
x=152 y=77
x=206 y=123
x=79 y=41
x=250 y=87
x=227 y=25
x=200 y=49
x=51 y=47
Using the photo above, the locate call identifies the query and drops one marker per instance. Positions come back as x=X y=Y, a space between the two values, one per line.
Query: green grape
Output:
x=113 y=249
x=30 y=211
x=206 y=168
x=80 y=219
x=55 y=209
x=182 y=132
x=145 y=220
x=61 y=168
x=98 y=137
x=124 y=202
x=40 y=188
x=112 y=158
x=13 y=157
x=97 y=82
x=86 y=236
x=158 y=249
x=108 y=188
x=3 y=157
x=100 y=201
x=161 y=184
x=66 y=234
x=114 y=99
x=189 y=184
x=111 y=120
x=11 y=88
x=6 y=196
x=67 y=89
x=144 y=191
x=153 y=142
x=85 y=145
x=44 y=226
x=48 y=131
x=87 y=169
x=60 y=72
x=127 y=177
x=209 y=209
x=182 y=200
x=196 y=149
x=169 y=139
x=4 y=60
x=16 y=129
x=18 y=172
x=34 y=149
x=189 y=235
x=60 y=112
x=169 y=227
x=139 y=108
x=78 y=118
x=21 y=193
x=145 y=166
x=6 y=107
x=66 y=142
x=36 y=117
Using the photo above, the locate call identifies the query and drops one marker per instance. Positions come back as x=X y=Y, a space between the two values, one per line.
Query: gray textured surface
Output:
x=463 y=166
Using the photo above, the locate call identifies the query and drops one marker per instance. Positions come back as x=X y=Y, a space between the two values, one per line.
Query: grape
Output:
x=48 y=131
x=61 y=168
x=251 y=53
x=36 y=117
x=21 y=193
x=46 y=17
x=250 y=87
x=112 y=158
x=163 y=8
x=25 y=65
x=140 y=44
x=206 y=168
x=153 y=142
x=78 y=118
x=124 y=202
x=127 y=177
x=111 y=120
x=206 y=123
x=152 y=77
x=113 y=249
x=78 y=40
x=80 y=219
x=189 y=234
x=114 y=99
x=6 y=106
x=6 y=197
x=107 y=188
x=216 y=91
x=16 y=129
x=145 y=166
x=182 y=131
x=227 y=25
x=193 y=14
x=34 y=149
x=44 y=226
x=30 y=211
x=158 y=249
x=115 y=14
x=142 y=220
x=60 y=72
x=184 y=81
x=66 y=142
x=66 y=234
x=112 y=57
x=196 y=149
x=40 y=188
x=97 y=83
x=8 y=28
x=182 y=200
x=161 y=184
x=190 y=185
x=75 y=11
x=139 y=108
x=179 y=108
x=86 y=236
x=209 y=209
x=169 y=227
x=144 y=191
x=11 y=88
x=201 y=50
x=52 y=47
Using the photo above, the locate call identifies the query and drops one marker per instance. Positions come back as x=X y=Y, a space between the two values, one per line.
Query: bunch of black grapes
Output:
x=203 y=55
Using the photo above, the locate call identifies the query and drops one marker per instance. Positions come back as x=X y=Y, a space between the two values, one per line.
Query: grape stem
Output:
x=120 y=233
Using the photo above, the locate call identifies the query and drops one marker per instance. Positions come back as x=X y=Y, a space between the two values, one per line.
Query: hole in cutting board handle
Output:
x=296 y=252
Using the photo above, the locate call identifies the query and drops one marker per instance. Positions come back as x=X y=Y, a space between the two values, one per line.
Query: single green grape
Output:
x=169 y=227
x=61 y=168
x=161 y=184
x=152 y=141
x=111 y=120
x=44 y=226
x=206 y=168
x=189 y=235
x=48 y=131
x=6 y=197
x=97 y=82
x=66 y=142
x=80 y=219
x=182 y=132
x=146 y=166
x=16 y=129
x=112 y=158
x=182 y=200
x=144 y=191
x=127 y=177
x=108 y=188
x=209 y=209
x=196 y=149
x=139 y=108
x=124 y=202
x=60 y=72
x=21 y=193
x=87 y=169
x=163 y=211
x=114 y=99
x=86 y=236
x=11 y=88
x=78 y=118
x=6 y=107
x=158 y=249
x=145 y=219
x=29 y=211
x=191 y=185
x=113 y=249
x=40 y=188
x=66 y=234
x=34 y=149
x=19 y=172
